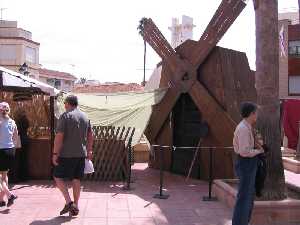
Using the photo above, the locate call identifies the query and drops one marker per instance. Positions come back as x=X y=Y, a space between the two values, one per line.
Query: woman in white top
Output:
x=8 y=138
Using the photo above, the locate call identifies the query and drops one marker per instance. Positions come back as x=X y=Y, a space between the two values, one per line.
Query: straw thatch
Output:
x=36 y=109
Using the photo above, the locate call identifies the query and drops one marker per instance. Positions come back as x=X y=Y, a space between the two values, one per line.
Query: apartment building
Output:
x=19 y=51
x=289 y=55
x=17 y=48
x=60 y=80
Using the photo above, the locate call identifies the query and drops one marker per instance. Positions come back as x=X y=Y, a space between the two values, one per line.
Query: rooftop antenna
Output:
x=1 y=13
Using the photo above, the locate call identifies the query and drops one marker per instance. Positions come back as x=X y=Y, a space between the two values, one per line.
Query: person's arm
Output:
x=58 y=140
x=246 y=149
x=89 y=146
x=15 y=135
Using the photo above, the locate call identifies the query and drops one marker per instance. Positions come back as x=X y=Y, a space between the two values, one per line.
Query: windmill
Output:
x=184 y=73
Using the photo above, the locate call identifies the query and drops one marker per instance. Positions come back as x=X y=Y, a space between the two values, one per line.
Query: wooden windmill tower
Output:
x=206 y=85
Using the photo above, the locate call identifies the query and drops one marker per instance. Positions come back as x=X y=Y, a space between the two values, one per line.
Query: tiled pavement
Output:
x=39 y=203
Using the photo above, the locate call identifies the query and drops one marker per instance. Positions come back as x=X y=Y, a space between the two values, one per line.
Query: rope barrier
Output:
x=161 y=159
x=191 y=147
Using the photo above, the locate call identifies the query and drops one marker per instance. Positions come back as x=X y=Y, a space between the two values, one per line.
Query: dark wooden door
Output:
x=188 y=128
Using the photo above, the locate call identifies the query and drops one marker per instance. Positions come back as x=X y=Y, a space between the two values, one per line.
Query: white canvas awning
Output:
x=13 y=79
x=128 y=109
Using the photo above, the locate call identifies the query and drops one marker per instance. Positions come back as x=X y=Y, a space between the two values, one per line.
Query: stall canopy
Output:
x=13 y=81
x=129 y=109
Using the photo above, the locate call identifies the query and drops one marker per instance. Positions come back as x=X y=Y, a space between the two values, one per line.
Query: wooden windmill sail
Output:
x=180 y=70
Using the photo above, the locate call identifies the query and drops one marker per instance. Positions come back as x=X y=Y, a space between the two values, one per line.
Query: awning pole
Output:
x=52 y=134
x=1 y=79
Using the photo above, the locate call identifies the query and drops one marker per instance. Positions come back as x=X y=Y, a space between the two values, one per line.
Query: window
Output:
x=8 y=52
x=57 y=84
x=50 y=81
x=68 y=82
x=30 y=55
x=54 y=82
x=294 y=85
x=294 y=48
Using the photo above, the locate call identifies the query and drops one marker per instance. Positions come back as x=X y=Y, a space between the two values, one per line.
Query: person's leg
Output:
x=3 y=165
x=4 y=183
x=60 y=184
x=242 y=210
x=2 y=193
x=10 y=197
x=76 y=190
x=78 y=173
x=254 y=166
x=61 y=172
x=2 y=202
x=64 y=190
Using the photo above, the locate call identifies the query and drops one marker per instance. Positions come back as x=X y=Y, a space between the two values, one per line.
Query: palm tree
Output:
x=267 y=86
x=82 y=80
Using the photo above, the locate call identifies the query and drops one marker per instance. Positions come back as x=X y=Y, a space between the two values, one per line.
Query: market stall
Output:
x=34 y=100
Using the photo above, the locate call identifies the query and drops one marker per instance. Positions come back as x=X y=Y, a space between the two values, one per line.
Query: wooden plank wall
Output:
x=227 y=76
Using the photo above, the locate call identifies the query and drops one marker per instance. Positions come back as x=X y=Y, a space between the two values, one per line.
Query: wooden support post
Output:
x=52 y=134
x=1 y=79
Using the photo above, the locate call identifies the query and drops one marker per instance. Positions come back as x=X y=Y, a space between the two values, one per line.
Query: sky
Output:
x=99 y=39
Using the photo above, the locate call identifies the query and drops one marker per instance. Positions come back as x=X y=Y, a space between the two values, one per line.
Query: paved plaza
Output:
x=101 y=203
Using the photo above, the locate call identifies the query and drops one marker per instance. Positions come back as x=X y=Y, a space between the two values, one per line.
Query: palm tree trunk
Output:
x=267 y=86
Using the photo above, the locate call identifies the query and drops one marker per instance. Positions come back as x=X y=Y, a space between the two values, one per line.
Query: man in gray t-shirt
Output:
x=73 y=143
x=74 y=125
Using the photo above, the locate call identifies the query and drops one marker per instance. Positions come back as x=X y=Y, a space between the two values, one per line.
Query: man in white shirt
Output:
x=247 y=149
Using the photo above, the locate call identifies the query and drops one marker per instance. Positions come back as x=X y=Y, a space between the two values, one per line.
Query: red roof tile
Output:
x=107 y=88
x=56 y=74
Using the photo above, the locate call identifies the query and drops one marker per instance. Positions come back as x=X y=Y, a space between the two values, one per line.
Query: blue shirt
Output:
x=7 y=129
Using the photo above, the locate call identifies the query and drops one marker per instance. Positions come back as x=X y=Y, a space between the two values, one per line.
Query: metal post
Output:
x=129 y=167
x=209 y=197
x=161 y=175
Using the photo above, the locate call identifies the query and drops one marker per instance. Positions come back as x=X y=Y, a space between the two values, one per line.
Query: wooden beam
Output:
x=223 y=18
x=220 y=124
x=158 y=42
x=161 y=112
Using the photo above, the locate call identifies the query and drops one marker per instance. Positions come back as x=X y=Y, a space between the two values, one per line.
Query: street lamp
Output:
x=24 y=69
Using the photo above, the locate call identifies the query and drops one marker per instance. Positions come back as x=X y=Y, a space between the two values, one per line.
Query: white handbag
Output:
x=89 y=167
